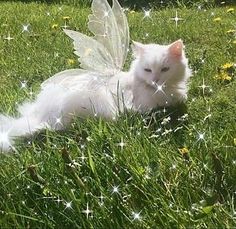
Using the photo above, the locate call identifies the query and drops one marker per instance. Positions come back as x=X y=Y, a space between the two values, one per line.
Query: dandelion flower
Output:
x=70 y=61
x=231 y=31
x=184 y=150
x=217 y=19
x=227 y=66
x=223 y=76
x=54 y=26
x=230 y=10
x=66 y=18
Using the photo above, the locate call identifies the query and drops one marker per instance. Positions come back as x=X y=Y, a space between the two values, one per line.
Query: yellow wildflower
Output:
x=70 y=61
x=235 y=141
x=54 y=26
x=227 y=66
x=131 y=11
x=217 y=19
x=66 y=18
x=223 y=76
x=234 y=42
x=231 y=31
x=230 y=10
x=183 y=150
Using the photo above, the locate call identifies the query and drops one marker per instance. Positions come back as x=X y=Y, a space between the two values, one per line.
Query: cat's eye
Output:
x=165 y=69
x=147 y=70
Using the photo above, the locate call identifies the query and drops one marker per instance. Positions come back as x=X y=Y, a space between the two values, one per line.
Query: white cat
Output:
x=157 y=78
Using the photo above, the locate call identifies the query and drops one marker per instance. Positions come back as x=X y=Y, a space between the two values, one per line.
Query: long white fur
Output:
x=91 y=94
x=157 y=77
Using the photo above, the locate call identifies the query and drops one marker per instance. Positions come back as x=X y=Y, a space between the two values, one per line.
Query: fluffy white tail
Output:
x=10 y=128
x=41 y=113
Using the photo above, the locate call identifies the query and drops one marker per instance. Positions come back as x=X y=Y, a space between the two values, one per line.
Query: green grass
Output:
x=168 y=189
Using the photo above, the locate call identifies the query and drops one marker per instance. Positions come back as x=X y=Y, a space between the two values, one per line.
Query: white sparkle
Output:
x=58 y=200
x=56 y=54
x=176 y=18
x=199 y=7
x=87 y=211
x=203 y=86
x=83 y=158
x=25 y=28
x=101 y=199
x=106 y=14
x=9 y=38
x=58 y=121
x=121 y=144
x=147 y=14
x=136 y=216
x=158 y=87
x=201 y=136
x=65 y=26
x=23 y=84
x=115 y=189
x=68 y=205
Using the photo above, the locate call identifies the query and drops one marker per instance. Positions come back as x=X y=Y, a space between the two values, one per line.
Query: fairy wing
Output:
x=93 y=56
x=106 y=52
x=75 y=79
x=110 y=27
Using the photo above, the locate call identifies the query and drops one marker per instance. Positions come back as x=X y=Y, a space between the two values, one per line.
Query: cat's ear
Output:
x=138 y=48
x=176 y=49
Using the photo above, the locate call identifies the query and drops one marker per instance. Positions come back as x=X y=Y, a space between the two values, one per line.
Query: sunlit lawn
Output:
x=178 y=175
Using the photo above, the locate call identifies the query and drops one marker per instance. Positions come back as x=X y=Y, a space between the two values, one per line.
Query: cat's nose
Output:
x=157 y=78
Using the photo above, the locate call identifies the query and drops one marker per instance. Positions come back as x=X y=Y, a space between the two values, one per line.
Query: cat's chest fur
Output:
x=147 y=97
x=139 y=96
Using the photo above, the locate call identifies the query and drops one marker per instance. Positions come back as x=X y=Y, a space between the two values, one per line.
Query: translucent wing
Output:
x=75 y=79
x=110 y=28
x=93 y=56
x=107 y=51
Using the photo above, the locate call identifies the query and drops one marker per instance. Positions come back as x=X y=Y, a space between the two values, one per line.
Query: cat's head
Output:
x=158 y=64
